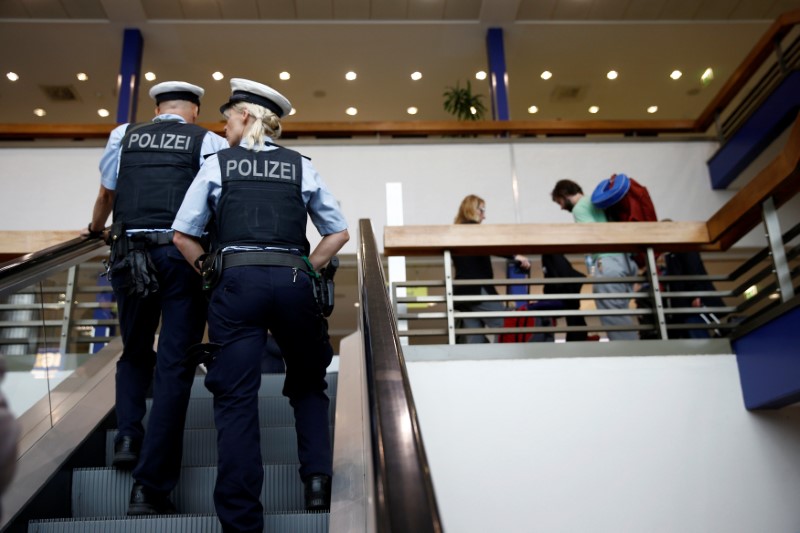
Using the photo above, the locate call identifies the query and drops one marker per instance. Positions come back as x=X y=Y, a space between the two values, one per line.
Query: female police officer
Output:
x=261 y=194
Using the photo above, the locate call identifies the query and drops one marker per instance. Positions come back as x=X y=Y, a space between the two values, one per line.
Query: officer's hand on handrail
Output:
x=90 y=234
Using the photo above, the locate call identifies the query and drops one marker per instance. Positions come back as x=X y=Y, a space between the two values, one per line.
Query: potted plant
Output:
x=462 y=104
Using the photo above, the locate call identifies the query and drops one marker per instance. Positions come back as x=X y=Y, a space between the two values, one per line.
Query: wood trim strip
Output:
x=411 y=129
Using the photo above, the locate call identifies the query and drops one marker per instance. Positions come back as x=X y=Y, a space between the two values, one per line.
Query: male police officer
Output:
x=146 y=170
x=262 y=196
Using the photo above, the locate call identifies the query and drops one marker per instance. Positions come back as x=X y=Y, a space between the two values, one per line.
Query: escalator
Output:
x=64 y=482
x=98 y=497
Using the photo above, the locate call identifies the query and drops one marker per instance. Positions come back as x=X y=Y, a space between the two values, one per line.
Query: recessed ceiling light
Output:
x=82 y=76
x=707 y=77
x=293 y=111
x=39 y=112
x=652 y=109
x=284 y=75
x=103 y=112
x=676 y=74
x=350 y=76
x=594 y=109
x=612 y=74
x=480 y=75
x=150 y=76
x=352 y=111
x=533 y=109
x=546 y=75
x=412 y=110
x=416 y=76
x=12 y=76
x=218 y=75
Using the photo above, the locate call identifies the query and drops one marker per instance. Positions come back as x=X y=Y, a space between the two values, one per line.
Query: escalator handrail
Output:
x=27 y=269
x=405 y=498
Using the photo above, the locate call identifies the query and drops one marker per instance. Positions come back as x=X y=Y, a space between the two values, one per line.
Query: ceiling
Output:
x=47 y=42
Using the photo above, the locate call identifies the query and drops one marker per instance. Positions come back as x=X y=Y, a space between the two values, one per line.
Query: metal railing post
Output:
x=772 y=225
x=448 y=294
x=655 y=292
x=69 y=298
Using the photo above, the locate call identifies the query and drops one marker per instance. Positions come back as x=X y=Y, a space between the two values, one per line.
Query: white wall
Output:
x=55 y=188
x=605 y=445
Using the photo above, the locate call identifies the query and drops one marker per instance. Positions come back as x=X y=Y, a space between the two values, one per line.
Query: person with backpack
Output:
x=569 y=196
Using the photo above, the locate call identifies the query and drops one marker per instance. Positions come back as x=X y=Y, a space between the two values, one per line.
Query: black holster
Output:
x=324 y=287
x=210 y=265
x=130 y=264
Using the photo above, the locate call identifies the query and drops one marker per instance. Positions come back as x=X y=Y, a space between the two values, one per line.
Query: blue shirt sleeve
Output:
x=322 y=206
x=109 y=162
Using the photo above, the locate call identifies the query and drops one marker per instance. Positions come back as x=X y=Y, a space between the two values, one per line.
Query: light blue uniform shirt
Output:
x=109 y=163
x=203 y=195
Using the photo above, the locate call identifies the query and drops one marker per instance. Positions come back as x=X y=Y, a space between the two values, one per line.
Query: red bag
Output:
x=517 y=322
x=635 y=206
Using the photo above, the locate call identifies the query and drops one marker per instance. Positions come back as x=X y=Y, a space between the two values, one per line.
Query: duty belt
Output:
x=265 y=259
x=153 y=238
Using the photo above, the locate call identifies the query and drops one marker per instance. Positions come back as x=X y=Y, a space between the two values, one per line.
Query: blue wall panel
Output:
x=769 y=362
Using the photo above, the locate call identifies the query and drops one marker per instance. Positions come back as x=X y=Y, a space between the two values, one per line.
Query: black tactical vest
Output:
x=261 y=202
x=157 y=164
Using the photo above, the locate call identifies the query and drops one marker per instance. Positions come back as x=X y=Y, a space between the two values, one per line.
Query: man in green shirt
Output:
x=569 y=196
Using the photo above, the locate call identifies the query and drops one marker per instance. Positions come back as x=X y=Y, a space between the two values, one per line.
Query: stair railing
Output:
x=404 y=496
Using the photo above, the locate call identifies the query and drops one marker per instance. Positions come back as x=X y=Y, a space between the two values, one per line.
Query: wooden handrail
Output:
x=780 y=180
x=744 y=72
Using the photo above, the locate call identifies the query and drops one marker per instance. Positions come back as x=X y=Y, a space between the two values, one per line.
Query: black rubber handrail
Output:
x=404 y=497
x=27 y=269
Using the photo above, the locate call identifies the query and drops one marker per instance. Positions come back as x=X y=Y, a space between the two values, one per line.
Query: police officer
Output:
x=146 y=170
x=261 y=195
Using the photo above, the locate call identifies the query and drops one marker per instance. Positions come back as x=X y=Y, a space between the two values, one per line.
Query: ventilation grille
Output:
x=568 y=93
x=60 y=93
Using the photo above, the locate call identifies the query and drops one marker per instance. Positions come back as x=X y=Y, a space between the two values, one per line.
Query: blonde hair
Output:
x=265 y=123
x=468 y=211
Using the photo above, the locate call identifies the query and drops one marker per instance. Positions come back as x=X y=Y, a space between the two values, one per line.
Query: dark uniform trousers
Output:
x=247 y=301
x=181 y=306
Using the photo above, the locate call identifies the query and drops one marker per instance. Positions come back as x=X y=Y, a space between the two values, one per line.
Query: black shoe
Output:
x=318 y=492
x=126 y=453
x=145 y=502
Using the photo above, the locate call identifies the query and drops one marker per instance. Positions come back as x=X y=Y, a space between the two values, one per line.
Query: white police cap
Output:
x=257 y=93
x=176 y=90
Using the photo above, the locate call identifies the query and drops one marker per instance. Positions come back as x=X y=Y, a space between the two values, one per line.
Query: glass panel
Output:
x=49 y=330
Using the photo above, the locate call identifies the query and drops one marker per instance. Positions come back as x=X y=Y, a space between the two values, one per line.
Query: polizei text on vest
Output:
x=246 y=168
x=161 y=141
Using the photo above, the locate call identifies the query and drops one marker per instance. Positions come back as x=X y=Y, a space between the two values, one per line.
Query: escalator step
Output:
x=279 y=523
x=272 y=411
x=104 y=492
x=271 y=385
x=278 y=445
